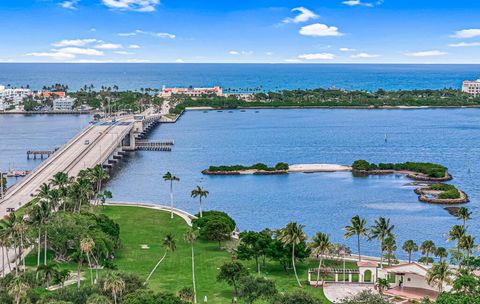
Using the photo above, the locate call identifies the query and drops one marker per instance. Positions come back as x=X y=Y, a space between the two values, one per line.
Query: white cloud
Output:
x=74 y=42
x=234 y=53
x=134 y=46
x=155 y=34
x=467 y=33
x=137 y=60
x=179 y=60
x=80 y=51
x=71 y=4
x=359 y=3
x=303 y=16
x=365 y=55
x=317 y=56
x=108 y=46
x=319 y=30
x=464 y=44
x=132 y=5
x=123 y=53
x=426 y=53
x=345 y=49
x=53 y=55
x=293 y=60
x=246 y=53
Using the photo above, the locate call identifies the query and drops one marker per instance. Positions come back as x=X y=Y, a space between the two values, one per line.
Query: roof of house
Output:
x=367 y=264
x=414 y=268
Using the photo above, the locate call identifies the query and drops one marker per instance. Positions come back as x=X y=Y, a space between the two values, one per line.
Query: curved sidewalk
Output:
x=187 y=217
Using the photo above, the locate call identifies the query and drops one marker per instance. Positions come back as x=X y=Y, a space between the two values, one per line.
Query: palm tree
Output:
x=98 y=175
x=427 y=248
x=409 y=247
x=171 y=178
x=10 y=236
x=389 y=245
x=170 y=245
x=464 y=215
x=190 y=237
x=439 y=274
x=49 y=271
x=86 y=246
x=455 y=234
x=199 y=192
x=381 y=230
x=17 y=289
x=357 y=228
x=467 y=243
x=114 y=284
x=441 y=253
x=292 y=235
x=61 y=181
x=320 y=245
x=20 y=228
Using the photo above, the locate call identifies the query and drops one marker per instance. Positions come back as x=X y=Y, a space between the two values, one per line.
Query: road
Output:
x=74 y=156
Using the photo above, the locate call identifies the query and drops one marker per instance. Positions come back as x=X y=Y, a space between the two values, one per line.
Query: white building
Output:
x=471 y=87
x=63 y=103
x=191 y=92
x=13 y=95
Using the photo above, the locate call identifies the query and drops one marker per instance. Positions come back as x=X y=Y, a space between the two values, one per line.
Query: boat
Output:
x=17 y=173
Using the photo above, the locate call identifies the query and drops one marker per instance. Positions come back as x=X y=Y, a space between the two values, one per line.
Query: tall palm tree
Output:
x=190 y=237
x=61 y=181
x=441 y=253
x=464 y=215
x=292 y=235
x=389 y=245
x=49 y=271
x=357 y=227
x=439 y=274
x=199 y=192
x=320 y=245
x=409 y=247
x=3 y=243
x=467 y=243
x=86 y=246
x=170 y=245
x=21 y=228
x=114 y=284
x=17 y=289
x=98 y=174
x=10 y=236
x=381 y=230
x=427 y=248
x=455 y=234
x=171 y=178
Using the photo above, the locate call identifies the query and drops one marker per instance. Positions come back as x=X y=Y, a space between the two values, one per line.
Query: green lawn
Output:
x=142 y=226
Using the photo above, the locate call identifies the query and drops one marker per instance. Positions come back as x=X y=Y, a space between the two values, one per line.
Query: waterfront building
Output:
x=13 y=95
x=63 y=103
x=191 y=91
x=471 y=87
x=51 y=94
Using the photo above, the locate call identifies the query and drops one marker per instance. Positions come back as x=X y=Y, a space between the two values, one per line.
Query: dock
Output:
x=147 y=145
x=41 y=153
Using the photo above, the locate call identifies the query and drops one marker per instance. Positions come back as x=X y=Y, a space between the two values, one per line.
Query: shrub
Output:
x=281 y=166
x=361 y=165
x=208 y=216
x=450 y=194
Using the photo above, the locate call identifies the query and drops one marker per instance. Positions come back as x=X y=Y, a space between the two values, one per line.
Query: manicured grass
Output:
x=142 y=226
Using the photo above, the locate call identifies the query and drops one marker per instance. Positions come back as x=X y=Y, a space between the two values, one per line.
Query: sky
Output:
x=246 y=31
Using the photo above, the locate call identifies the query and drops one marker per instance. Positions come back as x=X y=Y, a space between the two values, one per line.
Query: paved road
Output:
x=76 y=155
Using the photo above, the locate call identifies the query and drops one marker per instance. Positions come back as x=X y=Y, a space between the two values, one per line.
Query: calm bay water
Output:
x=322 y=201
x=240 y=76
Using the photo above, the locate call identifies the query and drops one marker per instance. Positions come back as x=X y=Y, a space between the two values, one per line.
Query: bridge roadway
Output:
x=74 y=156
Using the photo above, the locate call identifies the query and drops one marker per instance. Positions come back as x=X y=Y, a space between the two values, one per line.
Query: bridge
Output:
x=102 y=143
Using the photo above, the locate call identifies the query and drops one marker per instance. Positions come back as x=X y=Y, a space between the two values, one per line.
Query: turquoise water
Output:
x=241 y=76
x=322 y=201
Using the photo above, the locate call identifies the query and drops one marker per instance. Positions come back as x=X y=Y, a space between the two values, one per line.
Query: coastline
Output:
x=335 y=107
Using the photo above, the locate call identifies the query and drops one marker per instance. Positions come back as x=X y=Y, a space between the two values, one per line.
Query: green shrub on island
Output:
x=429 y=169
x=259 y=167
x=450 y=194
x=442 y=187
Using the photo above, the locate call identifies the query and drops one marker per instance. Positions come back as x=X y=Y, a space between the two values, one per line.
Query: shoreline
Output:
x=207 y=108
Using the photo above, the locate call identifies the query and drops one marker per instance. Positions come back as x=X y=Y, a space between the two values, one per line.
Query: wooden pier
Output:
x=41 y=153
x=154 y=145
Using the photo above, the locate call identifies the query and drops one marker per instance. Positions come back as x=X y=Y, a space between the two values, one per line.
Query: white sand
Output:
x=318 y=168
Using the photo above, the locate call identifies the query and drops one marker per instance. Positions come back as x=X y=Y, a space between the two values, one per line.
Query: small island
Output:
x=418 y=171
x=441 y=194
x=257 y=169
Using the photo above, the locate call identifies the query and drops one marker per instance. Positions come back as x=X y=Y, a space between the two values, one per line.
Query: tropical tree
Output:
x=380 y=231
x=389 y=245
x=169 y=177
x=409 y=247
x=103 y=196
x=98 y=174
x=427 y=248
x=356 y=227
x=467 y=244
x=382 y=285
x=86 y=247
x=320 y=245
x=463 y=214
x=455 y=234
x=17 y=289
x=200 y=193
x=292 y=235
x=439 y=274
x=441 y=253
x=231 y=273
x=169 y=245
x=190 y=237
x=114 y=284
x=49 y=272
x=61 y=181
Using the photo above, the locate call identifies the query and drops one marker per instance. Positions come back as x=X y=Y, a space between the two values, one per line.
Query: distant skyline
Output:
x=249 y=31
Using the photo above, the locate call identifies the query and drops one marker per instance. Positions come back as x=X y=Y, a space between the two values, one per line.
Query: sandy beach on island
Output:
x=318 y=168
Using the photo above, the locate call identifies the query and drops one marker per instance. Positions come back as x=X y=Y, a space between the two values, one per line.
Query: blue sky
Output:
x=270 y=31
